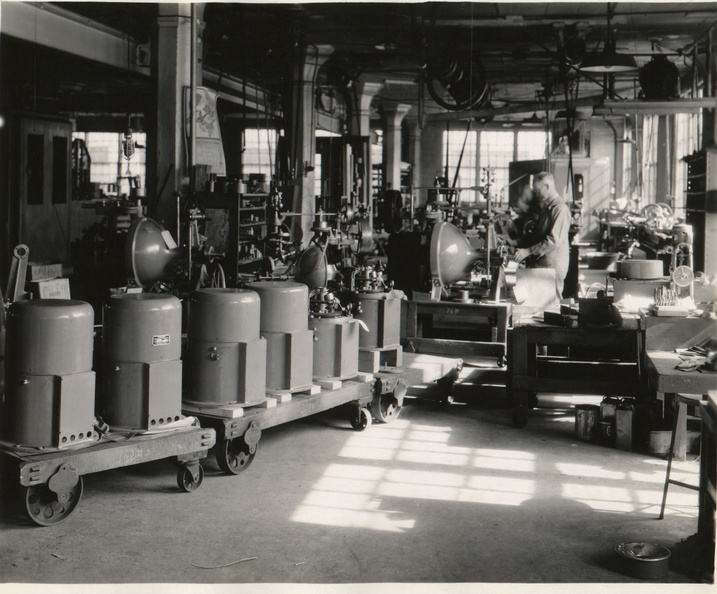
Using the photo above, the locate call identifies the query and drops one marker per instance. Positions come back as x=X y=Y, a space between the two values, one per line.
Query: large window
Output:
x=109 y=167
x=688 y=139
x=649 y=159
x=455 y=144
x=489 y=149
x=259 y=152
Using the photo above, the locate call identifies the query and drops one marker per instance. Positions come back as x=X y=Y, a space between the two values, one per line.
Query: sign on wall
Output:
x=208 y=143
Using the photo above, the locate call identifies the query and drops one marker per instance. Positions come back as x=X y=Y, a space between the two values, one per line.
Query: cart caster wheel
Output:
x=360 y=418
x=502 y=362
x=234 y=456
x=186 y=481
x=520 y=418
x=43 y=507
x=447 y=399
x=385 y=408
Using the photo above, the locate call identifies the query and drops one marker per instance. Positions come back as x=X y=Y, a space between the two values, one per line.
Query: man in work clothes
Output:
x=550 y=246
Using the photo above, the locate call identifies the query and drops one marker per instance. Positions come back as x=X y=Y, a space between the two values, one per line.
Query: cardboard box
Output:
x=57 y=288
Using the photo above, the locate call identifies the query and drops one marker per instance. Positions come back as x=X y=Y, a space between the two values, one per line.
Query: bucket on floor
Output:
x=586 y=421
x=644 y=560
x=607 y=433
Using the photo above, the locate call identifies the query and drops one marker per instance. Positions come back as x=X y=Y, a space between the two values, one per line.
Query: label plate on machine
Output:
x=160 y=340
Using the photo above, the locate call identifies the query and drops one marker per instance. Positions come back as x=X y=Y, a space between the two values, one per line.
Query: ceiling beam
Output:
x=59 y=29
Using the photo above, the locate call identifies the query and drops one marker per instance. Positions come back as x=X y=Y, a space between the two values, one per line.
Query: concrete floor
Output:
x=446 y=493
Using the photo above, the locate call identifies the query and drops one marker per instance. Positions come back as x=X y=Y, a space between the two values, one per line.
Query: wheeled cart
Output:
x=51 y=481
x=237 y=438
x=378 y=396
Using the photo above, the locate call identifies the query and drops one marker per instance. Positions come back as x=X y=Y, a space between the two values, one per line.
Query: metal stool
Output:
x=682 y=401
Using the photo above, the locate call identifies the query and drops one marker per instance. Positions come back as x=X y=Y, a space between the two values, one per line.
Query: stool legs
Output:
x=678 y=413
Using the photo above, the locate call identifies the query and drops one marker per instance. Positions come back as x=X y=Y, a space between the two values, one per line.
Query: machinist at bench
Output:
x=550 y=246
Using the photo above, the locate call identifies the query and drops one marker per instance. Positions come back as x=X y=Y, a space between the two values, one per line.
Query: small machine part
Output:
x=50 y=388
x=284 y=324
x=336 y=336
x=379 y=307
x=18 y=273
x=142 y=370
x=278 y=240
x=226 y=355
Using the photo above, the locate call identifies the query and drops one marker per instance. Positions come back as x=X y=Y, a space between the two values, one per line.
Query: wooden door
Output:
x=44 y=189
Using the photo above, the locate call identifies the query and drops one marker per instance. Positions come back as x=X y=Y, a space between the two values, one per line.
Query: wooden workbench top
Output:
x=664 y=377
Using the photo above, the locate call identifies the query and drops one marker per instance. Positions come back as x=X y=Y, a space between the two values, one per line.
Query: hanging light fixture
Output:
x=534 y=120
x=608 y=61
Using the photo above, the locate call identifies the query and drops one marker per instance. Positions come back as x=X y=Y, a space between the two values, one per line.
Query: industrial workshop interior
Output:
x=349 y=296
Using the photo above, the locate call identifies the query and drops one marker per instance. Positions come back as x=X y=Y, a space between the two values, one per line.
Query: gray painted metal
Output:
x=142 y=370
x=50 y=399
x=336 y=347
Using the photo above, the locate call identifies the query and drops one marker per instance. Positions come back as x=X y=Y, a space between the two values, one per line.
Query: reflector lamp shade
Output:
x=608 y=63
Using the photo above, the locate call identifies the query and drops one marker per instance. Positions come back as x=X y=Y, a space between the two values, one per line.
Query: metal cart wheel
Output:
x=46 y=507
x=385 y=408
x=360 y=418
x=234 y=456
x=189 y=481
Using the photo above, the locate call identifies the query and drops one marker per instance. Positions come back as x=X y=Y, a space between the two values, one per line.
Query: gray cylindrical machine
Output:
x=50 y=385
x=336 y=348
x=381 y=312
x=142 y=370
x=226 y=357
x=284 y=305
x=284 y=324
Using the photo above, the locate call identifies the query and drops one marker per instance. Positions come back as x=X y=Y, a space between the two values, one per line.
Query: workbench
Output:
x=458 y=329
x=663 y=377
x=584 y=360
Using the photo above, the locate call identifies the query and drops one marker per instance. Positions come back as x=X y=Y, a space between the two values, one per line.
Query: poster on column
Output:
x=208 y=145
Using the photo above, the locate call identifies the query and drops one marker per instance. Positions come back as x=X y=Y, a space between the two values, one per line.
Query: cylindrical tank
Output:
x=226 y=357
x=142 y=370
x=284 y=305
x=284 y=324
x=50 y=337
x=336 y=346
x=134 y=325
x=224 y=315
x=50 y=384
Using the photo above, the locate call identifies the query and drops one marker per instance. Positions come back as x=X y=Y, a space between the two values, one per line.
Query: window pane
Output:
x=453 y=145
x=107 y=162
x=531 y=145
x=496 y=152
x=59 y=169
x=259 y=151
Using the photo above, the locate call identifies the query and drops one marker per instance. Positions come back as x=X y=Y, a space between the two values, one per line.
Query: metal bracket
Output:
x=252 y=435
x=63 y=481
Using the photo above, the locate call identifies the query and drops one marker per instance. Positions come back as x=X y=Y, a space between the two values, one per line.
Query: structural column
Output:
x=360 y=125
x=662 y=173
x=393 y=115
x=301 y=133
x=414 y=148
x=172 y=71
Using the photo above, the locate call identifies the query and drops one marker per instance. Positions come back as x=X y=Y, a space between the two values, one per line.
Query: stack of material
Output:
x=46 y=281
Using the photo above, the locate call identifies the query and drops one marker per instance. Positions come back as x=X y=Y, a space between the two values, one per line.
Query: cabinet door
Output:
x=44 y=192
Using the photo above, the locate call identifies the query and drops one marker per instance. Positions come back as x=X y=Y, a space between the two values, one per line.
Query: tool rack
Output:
x=51 y=481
